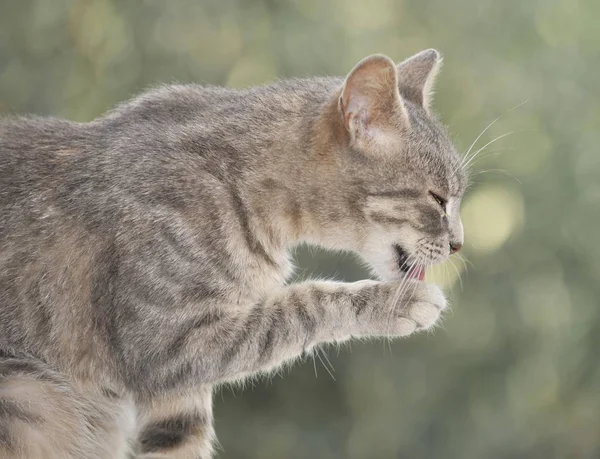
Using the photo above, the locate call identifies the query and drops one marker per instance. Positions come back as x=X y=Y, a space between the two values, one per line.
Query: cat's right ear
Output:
x=416 y=76
x=371 y=107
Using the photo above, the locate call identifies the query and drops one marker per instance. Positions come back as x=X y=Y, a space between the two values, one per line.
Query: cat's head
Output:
x=401 y=180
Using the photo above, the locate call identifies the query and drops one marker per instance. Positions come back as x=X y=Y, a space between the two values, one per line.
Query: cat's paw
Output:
x=404 y=309
x=423 y=309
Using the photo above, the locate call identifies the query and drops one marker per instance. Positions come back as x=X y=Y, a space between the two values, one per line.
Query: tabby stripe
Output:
x=179 y=342
x=103 y=296
x=42 y=317
x=180 y=248
x=246 y=332
x=380 y=217
x=402 y=193
x=7 y=442
x=318 y=296
x=183 y=372
x=307 y=321
x=359 y=303
x=11 y=409
x=24 y=367
x=320 y=299
x=431 y=221
x=171 y=433
x=267 y=342
x=253 y=244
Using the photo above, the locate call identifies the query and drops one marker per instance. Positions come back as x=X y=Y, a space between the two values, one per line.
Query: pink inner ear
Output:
x=358 y=103
x=361 y=118
x=371 y=80
x=355 y=110
x=371 y=106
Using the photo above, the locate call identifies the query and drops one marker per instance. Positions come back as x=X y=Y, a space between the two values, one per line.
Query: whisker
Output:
x=494 y=122
x=474 y=155
x=488 y=153
x=501 y=171
x=485 y=154
x=446 y=275
x=415 y=265
x=326 y=357
x=392 y=306
x=415 y=284
x=464 y=261
x=406 y=280
x=317 y=349
x=458 y=274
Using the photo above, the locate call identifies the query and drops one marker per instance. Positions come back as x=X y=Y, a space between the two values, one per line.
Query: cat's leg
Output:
x=176 y=427
x=226 y=346
x=304 y=315
x=44 y=416
x=259 y=338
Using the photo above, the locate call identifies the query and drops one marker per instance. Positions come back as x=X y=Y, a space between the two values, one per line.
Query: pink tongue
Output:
x=417 y=273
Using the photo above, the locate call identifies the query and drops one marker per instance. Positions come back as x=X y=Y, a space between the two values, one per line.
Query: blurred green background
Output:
x=513 y=372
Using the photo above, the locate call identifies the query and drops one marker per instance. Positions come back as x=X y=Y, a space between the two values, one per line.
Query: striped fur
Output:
x=144 y=255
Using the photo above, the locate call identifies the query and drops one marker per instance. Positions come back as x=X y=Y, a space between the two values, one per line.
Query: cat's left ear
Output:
x=416 y=77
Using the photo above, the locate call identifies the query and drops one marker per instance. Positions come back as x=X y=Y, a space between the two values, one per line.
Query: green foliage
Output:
x=513 y=371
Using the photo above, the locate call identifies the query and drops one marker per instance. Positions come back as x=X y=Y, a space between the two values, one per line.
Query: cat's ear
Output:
x=370 y=105
x=416 y=77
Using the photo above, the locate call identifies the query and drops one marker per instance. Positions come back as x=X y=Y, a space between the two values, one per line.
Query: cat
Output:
x=144 y=255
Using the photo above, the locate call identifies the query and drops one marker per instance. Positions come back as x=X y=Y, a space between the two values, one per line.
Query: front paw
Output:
x=423 y=310
x=401 y=309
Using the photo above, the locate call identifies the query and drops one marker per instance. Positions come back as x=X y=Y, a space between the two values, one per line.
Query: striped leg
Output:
x=178 y=427
x=302 y=316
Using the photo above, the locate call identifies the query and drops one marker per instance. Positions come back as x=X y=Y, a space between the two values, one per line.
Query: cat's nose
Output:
x=455 y=247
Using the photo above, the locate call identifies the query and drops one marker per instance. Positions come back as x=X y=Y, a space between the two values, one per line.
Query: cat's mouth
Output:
x=410 y=269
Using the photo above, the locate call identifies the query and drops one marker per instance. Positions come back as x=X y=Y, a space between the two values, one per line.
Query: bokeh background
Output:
x=514 y=371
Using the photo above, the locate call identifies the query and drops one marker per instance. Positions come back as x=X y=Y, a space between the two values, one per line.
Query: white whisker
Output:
x=326 y=357
x=485 y=154
x=486 y=145
x=501 y=171
x=464 y=261
x=492 y=123
x=404 y=283
x=317 y=349
x=457 y=273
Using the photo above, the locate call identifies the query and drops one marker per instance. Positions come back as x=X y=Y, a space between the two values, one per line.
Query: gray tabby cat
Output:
x=144 y=255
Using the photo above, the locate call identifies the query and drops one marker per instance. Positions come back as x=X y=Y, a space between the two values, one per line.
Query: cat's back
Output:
x=176 y=147
x=32 y=153
x=85 y=170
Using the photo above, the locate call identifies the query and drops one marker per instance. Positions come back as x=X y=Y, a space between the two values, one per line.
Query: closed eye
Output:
x=441 y=201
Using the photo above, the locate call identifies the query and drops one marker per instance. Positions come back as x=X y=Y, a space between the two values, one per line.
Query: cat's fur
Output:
x=143 y=256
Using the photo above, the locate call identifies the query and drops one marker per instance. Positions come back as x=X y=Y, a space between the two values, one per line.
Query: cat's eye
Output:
x=441 y=201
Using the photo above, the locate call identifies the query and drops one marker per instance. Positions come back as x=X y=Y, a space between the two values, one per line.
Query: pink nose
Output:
x=455 y=247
